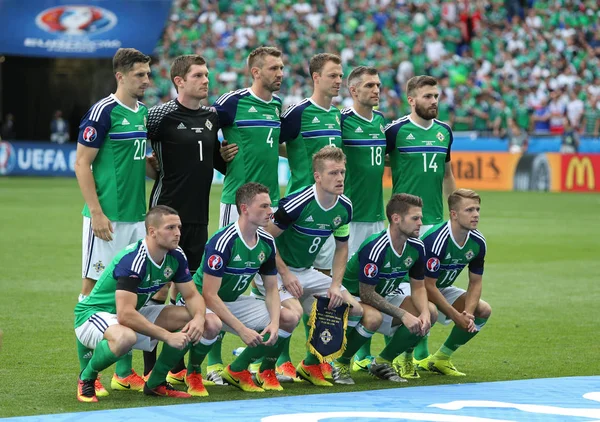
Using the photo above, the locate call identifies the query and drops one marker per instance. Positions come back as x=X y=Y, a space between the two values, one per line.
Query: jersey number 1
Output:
x=200 y=146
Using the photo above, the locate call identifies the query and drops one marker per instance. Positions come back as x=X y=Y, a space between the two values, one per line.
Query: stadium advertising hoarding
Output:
x=498 y=171
x=95 y=28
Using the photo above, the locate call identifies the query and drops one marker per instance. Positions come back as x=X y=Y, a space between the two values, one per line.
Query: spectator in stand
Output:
x=8 y=132
x=570 y=139
x=541 y=118
x=590 y=123
x=59 y=129
x=557 y=110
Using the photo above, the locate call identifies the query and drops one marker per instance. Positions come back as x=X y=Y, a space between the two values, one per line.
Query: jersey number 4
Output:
x=432 y=164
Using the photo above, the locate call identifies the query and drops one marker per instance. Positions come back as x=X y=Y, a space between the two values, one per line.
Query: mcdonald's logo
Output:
x=579 y=172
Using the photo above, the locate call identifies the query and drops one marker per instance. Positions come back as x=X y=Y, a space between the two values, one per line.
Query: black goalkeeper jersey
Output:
x=186 y=144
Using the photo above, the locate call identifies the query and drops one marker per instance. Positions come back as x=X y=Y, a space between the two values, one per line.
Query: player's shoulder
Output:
x=443 y=125
x=436 y=238
x=379 y=114
x=346 y=202
x=298 y=198
x=376 y=246
x=161 y=110
x=142 y=106
x=265 y=236
x=417 y=244
x=134 y=257
x=178 y=254
x=102 y=108
x=397 y=124
x=232 y=96
x=221 y=240
x=296 y=109
x=478 y=237
x=346 y=113
x=277 y=99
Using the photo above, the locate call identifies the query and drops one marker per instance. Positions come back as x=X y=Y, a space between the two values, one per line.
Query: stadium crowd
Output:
x=538 y=63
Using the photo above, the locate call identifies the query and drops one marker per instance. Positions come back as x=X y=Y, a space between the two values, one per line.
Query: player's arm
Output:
x=194 y=303
x=273 y=306
x=340 y=258
x=210 y=291
x=473 y=292
x=151 y=167
x=222 y=154
x=84 y=157
x=128 y=316
x=369 y=296
x=462 y=320
x=282 y=150
x=416 y=275
x=449 y=183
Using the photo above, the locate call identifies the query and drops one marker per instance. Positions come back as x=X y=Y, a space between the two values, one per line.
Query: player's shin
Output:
x=102 y=358
x=284 y=356
x=248 y=356
x=169 y=356
x=422 y=348
x=402 y=340
x=458 y=337
x=149 y=361
x=84 y=355
x=272 y=353
x=355 y=339
x=198 y=353
x=124 y=365
x=214 y=356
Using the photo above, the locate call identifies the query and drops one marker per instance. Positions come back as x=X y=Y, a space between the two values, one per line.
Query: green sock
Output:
x=124 y=365
x=364 y=351
x=311 y=359
x=102 y=358
x=248 y=356
x=387 y=339
x=459 y=337
x=214 y=356
x=305 y=319
x=422 y=348
x=273 y=352
x=285 y=351
x=83 y=354
x=168 y=358
x=197 y=355
x=355 y=339
x=401 y=341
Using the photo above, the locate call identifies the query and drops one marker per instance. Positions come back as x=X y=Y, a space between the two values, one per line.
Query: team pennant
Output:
x=327 y=339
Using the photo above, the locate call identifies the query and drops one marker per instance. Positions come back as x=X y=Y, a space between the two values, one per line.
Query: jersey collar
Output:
x=314 y=188
x=239 y=232
x=114 y=97
x=258 y=98
x=319 y=107
x=362 y=117
x=418 y=125
x=454 y=240
x=145 y=247
x=392 y=245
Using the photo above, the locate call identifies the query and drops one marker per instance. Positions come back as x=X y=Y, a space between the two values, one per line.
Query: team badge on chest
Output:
x=408 y=261
x=440 y=136
x=261 y=257
x=469 y=255
x=337 y=221
x=208 y=125
x=168 y=272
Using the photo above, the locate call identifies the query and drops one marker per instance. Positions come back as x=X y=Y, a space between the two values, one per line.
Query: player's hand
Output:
x=411 y=322
x=465 y=321
x=334 y=293
x=272 y=330
x=250 y=337
x=292 y=285
x=178 y=340
x=102 y=227
x=153 y=161
x=194 y=329
x=425 y=324
x=228 y=151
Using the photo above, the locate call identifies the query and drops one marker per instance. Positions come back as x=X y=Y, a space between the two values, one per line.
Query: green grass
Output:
x=541 y=272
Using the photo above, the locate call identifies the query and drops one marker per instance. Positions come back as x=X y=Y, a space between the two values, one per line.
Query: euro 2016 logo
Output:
x=371 y=270
x=89 y=134
x=215 y=262
x=433 y=264
x=76 y=20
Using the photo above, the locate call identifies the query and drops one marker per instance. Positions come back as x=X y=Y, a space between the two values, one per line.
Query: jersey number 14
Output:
x=432 y=164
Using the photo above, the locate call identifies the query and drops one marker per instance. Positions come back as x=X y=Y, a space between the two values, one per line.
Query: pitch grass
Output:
x=541 y=274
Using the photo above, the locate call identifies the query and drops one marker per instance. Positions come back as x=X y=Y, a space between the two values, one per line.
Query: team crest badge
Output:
x=277 y=111
x=145 y=120
x=208 y=125
x=408 y=261
x=440 y=136
x=433 y=264
x=326 y=336
x=337 y=221
x=99 y=266
x=371 y=270
x=337 y=119
x=168 y=272
x=89 y=134
x=261 y=257
x=215 y=262
x=469 y=255
x=382 y=129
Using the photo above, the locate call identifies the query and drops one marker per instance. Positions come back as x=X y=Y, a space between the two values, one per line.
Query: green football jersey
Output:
x=364 y=145
x=445 y=259
x=307 y=225
x=133 y=262
x=228 y=257
x=418 y=158
x=119 y=169
x=377 y=263
x=253 y=124
x=305 y=129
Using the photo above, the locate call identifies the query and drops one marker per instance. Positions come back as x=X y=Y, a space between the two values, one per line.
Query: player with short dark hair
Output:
x=112 y=140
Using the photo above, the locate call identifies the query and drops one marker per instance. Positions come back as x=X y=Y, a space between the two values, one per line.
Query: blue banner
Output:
x=96 y=28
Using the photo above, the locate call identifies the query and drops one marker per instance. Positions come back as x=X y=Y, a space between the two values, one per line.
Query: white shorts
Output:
x=450 y=293
x=91 y=332
x=324 y=259
x=359 y=232
x=395 y=299
x=97 y=253
x=250 y=310
x=424 y=229
x=228 y=214
x=313 y=283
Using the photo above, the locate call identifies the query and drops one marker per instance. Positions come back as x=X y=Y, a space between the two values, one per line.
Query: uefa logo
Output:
x=8 y=158
x=76 y=20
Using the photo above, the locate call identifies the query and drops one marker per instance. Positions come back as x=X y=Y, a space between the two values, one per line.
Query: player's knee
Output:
x=212 y=326
x=433 y=312
x=288 y=320
x=484 y=310
x=371 y=319
x=122 y=340
x=294 y=306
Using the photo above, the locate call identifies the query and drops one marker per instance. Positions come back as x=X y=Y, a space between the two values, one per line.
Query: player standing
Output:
x=112 y=142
